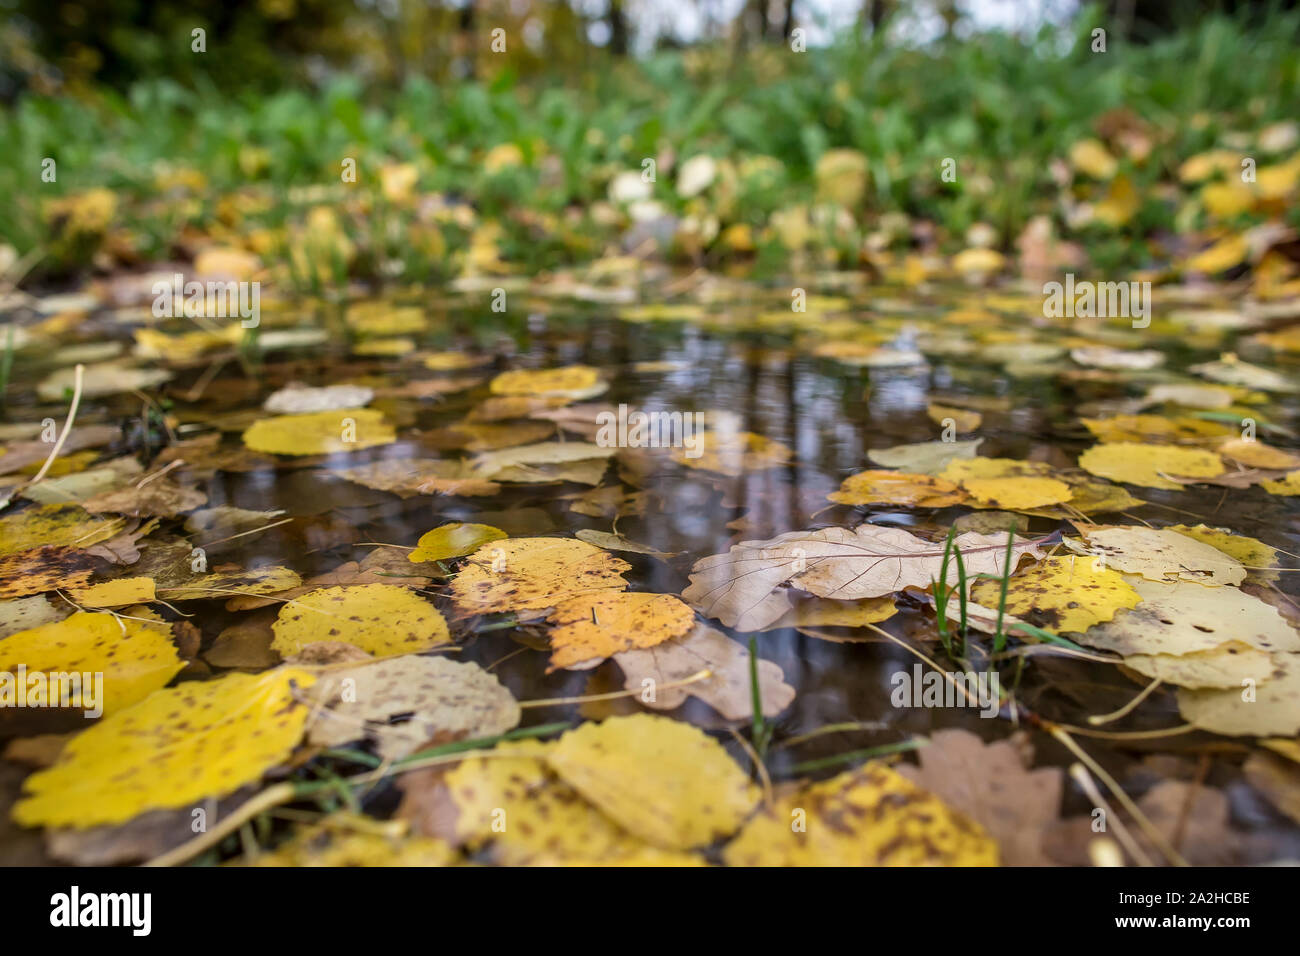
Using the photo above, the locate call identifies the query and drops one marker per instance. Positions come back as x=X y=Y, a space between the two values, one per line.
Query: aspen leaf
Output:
x=174 y=748
x=1061 y=594
x=661 y=780
x=897 y=488
x=454 y=540
x=1135 y=463
x=1274 y=710
x=382 y=619
x=320 y=433
x=870 y=816
x=136 y=657
x=520 y=574
x=592 y=627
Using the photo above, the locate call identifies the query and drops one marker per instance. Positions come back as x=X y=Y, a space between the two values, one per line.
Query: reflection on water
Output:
x=828 y=412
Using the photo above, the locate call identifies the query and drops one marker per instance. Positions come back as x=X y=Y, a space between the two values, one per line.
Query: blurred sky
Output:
x=917 y=21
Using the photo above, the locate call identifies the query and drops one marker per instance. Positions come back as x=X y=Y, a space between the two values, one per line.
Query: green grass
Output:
x=1004 y=108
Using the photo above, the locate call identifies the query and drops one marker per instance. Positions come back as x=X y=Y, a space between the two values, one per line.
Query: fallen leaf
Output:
x=592 y=627
x=1140 y=464
x=176 y=747
x=727 y=690
x=663 y=781
x=381 y=619
x=520 y=574
x=434 y=697
x=453 y=540
x=740 y=588
x=870 y=816
x=992 y=784
x=320 y=433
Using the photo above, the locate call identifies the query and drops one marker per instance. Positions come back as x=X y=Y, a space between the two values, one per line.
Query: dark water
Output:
x=827 y=412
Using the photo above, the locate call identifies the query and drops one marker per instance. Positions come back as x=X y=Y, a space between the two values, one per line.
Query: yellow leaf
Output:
x=963 y=419
x=1119 y=205
x=320 y=433
x=1064 y=593
x=897 y=488
x=454 y=540
x=1290 y=485
x=1140 y=464
x=662 y=780
x=545 y=819
x=520 y=574
x=592 y=627
x=176 y=747
x=117 y=593
x=825 y=612
x=135 y=657
x=1015 y=494
x=381 y=619
x=571 y=380
x=67 y=526
x=1091 y=158
x=1256 y=454
x=870 y=816
x=1154 y=428
x=1164 y=555
x=264 y=580
x=734 y=454
x=1223 y=255
x=347 y=839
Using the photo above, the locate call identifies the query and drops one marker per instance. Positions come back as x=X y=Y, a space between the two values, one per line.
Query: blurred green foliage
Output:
x=1004 y=108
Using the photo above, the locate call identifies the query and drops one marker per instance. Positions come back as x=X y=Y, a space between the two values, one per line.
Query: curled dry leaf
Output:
x=740 y=588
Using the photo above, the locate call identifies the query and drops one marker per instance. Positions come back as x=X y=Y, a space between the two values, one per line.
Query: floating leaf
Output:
x=742 y=587
x=663 y=781
x=454 y=540
x=592 y=627
x=434 y=697
x=176 y=747
x=118 y=593
x=727 y=689
x=1140 y=464
x=870 y=816
x=520 y=574
x=1274 y=707
x=135 y=657
x=381 y=619
x=897 y=488
x=1061 y=594
x=320 y=433
x=1163 y=555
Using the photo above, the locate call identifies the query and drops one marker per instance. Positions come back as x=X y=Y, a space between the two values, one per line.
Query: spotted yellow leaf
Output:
x=662 y=780
x=382 y=619
x=175 y=748
x=135 y=657
x=592 y=627
x=870 y=816
x=520 y=574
